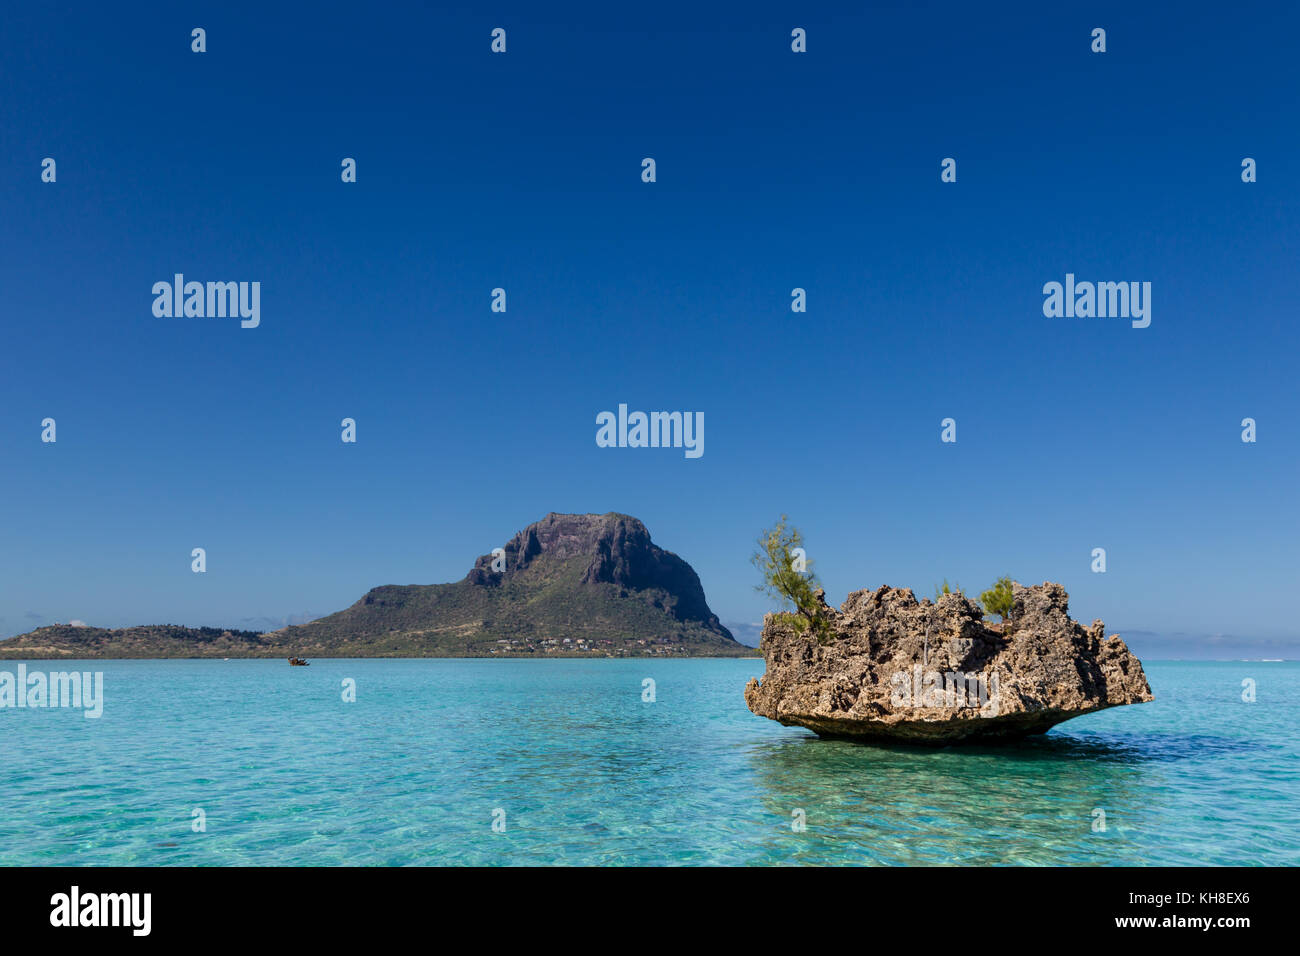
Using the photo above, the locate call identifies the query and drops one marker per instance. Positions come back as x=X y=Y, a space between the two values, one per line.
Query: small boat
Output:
x=298 y=662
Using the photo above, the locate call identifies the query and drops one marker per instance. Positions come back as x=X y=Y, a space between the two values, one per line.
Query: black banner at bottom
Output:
x=336 y=905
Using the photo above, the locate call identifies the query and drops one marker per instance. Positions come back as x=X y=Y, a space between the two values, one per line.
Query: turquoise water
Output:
x=586 y=772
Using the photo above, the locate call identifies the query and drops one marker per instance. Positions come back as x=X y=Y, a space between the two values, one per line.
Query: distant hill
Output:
x=153 y=640
x=572 y=585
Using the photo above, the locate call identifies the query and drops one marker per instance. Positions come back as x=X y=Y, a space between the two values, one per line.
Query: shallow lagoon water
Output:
x=288 y=773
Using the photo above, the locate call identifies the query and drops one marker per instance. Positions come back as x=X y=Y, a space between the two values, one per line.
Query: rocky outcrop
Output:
x=898 y=669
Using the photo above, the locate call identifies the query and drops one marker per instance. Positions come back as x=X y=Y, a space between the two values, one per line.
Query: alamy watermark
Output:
x=928 y=688
x=75 y=908
x=198 y=300
x=651 y=430
x=75 y=689
x=1102 y=300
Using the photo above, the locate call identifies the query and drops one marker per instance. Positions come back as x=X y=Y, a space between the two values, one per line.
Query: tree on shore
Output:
x=788 y=576
x=998 y=599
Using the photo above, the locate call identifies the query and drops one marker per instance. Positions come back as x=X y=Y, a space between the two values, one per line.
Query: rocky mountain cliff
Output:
x=567 y=580
x=568 y=585
x=898 y=669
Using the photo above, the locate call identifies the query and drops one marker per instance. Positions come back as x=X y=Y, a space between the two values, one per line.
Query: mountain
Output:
x=568 y=585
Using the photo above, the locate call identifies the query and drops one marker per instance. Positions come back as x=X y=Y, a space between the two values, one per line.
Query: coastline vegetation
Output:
x=998 y=599
x=787 y=575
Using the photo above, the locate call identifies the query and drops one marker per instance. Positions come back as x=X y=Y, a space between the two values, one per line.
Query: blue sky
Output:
x=775 y=170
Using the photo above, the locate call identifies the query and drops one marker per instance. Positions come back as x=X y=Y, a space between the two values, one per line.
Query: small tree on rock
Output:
x=999 y=599
x=941 y=589
x=788 y=576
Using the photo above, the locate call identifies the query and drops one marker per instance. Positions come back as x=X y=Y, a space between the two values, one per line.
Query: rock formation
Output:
x=898 y=669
